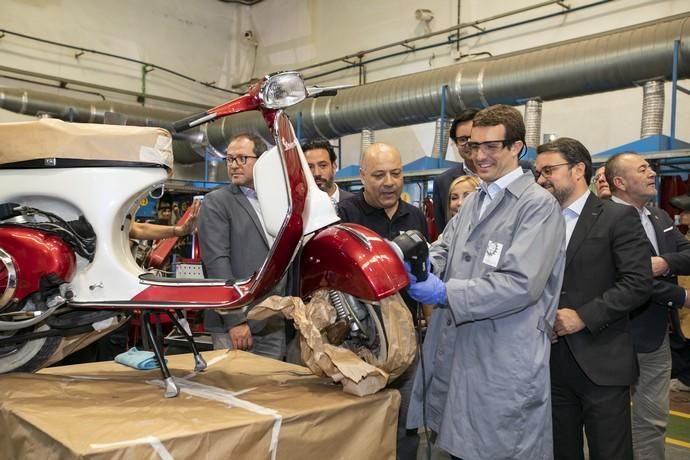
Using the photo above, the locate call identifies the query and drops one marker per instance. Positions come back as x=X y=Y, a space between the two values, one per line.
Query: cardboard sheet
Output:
x=242 y=407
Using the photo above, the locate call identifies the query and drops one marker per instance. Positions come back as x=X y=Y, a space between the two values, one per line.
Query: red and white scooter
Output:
x=67 y=195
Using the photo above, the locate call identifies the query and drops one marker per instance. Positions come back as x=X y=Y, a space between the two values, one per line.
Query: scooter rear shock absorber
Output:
x=341 y=310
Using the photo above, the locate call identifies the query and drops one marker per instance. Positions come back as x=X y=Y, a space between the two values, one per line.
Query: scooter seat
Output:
x=150 y=278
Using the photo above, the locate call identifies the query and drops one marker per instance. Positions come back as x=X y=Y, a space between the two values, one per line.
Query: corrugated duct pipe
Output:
x=533 y=123
x=597 y=63
x=29 y=102
x=441 y=135
x=368 y=138
x=652 y=108
x=593 y=64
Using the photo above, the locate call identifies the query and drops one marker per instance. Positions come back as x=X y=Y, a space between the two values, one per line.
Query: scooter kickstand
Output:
x=171 y=389
x=177 y=317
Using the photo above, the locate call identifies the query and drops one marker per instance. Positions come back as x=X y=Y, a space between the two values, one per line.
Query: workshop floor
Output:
x=677 y=436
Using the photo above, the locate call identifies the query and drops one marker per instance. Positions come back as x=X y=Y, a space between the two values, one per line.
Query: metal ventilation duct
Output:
x=37 y=103
x=598 y=63
x=441 y=135
x=593 y=64
x=652 y=108
x=533 y=123
x=368 y=138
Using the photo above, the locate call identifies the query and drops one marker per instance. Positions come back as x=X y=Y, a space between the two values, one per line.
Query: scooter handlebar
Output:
x=193 y=120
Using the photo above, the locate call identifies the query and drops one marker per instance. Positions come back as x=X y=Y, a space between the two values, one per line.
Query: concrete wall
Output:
x=204 y=39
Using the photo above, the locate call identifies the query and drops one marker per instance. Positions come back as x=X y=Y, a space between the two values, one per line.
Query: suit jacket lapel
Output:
x=590 y=213
x=659 y=232
x=247 y=206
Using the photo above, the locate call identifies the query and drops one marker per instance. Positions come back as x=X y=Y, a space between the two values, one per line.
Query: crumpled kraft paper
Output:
x=69 y=345
x=360 y=374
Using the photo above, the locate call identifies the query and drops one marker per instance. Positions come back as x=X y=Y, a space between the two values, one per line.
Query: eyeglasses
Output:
x=462 y=141
x=547 y=170
x=240 y=159
x=490 y=147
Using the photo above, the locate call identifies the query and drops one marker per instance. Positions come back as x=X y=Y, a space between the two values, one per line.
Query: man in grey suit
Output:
x=234 y=245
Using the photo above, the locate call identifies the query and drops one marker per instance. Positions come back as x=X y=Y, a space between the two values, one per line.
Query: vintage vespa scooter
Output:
x=67 y=195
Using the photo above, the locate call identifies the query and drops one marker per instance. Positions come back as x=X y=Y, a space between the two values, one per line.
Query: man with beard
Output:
x=607 y=275
x=322 y=163
x=632 y=182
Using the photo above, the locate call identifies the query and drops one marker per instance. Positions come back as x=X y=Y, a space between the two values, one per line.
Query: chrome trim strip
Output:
x=143 y=305
x=11 y=278
x=205 y=283
x=363 y=239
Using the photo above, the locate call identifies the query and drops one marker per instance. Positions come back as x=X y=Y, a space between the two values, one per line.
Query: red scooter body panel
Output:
x=36 y=254
x=353 y=259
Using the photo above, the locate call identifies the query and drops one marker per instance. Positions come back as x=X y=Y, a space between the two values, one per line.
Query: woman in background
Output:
x=458 y=191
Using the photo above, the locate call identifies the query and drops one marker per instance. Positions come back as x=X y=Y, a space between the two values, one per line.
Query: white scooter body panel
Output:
x=272 y=193
x=104 y=196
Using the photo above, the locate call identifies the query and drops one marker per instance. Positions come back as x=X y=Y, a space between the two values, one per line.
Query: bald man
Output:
x=379 y=207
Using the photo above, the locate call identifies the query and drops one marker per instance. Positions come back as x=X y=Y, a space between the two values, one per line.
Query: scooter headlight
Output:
x=283 y=90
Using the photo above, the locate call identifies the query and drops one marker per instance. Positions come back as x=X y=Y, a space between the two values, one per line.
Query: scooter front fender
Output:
x=352 y=259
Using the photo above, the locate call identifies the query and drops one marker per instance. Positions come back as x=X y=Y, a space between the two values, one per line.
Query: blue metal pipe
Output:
x=441 y=129
x=674 y=89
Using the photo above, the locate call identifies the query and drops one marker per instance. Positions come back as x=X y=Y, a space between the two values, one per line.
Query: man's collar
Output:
x=501 y=183
x=336 y=195
x=369 y=209
x=248 y=191
x=618 y=200
x=577 y=205
x=468 y=171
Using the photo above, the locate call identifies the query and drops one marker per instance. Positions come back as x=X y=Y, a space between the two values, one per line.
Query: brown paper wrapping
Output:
x=102 y=411
x=69 y=345
x=50 y=138
x=359 y=374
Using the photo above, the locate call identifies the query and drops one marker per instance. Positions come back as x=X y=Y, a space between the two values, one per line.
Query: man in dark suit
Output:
x=607 y=275
x=460 y=135
x=632 y=182
x=234 y=245
x=322 y=160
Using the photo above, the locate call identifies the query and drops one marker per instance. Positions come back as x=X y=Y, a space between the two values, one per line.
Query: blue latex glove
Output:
x=430 y=291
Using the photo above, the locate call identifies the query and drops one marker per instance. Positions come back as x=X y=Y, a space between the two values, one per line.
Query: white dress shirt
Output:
x=571 y=214
x=644 y=214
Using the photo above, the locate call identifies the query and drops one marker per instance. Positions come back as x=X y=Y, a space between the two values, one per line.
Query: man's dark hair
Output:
x=465 y=115
x=572 y=151
x=505 y=115
x=320 y=143
x=259 y=144
x=613 y=168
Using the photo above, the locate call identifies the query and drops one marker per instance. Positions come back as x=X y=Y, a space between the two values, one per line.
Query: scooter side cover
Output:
x=36 y=254
x=353 y=259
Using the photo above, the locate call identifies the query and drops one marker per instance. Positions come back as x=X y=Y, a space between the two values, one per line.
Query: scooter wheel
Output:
x=28 y=356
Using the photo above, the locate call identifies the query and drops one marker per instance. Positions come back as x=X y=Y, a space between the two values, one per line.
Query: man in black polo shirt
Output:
x=379 y=207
